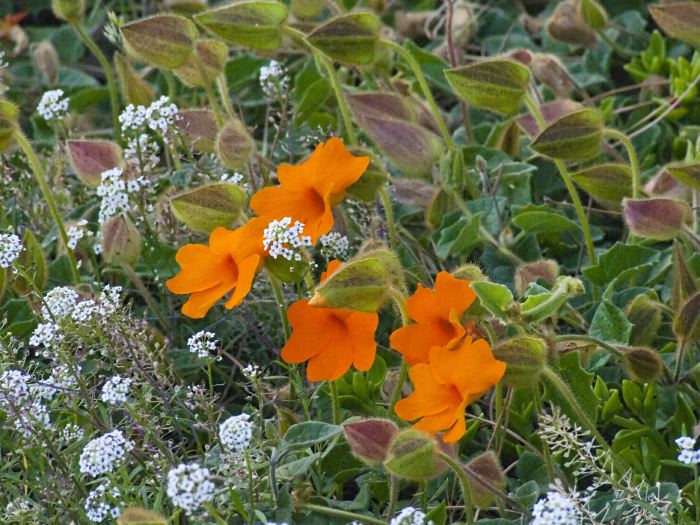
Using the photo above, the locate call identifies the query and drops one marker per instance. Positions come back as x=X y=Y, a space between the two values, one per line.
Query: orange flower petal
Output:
x=329 y=366
x=201 y=269
x=428 y=397
x=460 y=426
x=199 y=303
x=246 y=274
x=415 y=341
x=471 y=367
x=362 y=326
x=453 y=293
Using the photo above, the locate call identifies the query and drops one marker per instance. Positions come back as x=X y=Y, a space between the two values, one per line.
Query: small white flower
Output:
x=555 y=509
x=190 y=486
x=10 y=248
x=410 y=516
x=252 y=371
x=103 y=502
x=14 y=388
x=75 y=233
x=116 y=390
x=685 y=442
x=236 y=433
x=281 y=238
x=334 y=246
x=273 y=79
x=59 y=302
x=72 y=432
x=112 y=189
x=202 y=343
x=46 y=335
x=53 y=106
x=103 y=454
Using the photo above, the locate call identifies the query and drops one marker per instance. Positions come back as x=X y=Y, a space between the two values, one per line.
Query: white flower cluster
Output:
x=103 y=454
x=53 y=105
x=61 y=379
x=334 y=246
x=236 y=178
x=158 y=117
x=190 y=486
x=252 y=371
x=103 y=502
x=281 y=238
x=410 y=516
x=10 y=248
x=115 y=192
x=555 y=509
x=202 y=343
x=236 y=433
x=14 y=388
x=75 y=233
x=59 y=302
x=72 y=432
x=116 y=390
x=26 y=413
x=273 y=79
x=687 y=455
x=143 y=152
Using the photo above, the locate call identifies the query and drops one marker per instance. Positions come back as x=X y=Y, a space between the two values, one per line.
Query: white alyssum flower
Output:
x=202 y=343
x=190 y=486
x=281 y=238
x=555 y=509
x=142 y=151
x=14 y=388
x=236 y=178
x=59 y=302
x=252 y=371
x=61 y=380
x=31 y=418
x=46 y=335
x=103 y=454
x=273 y=79
x=53 y=105
x=103 y=503
x=116 y=390
x=158 y=117
x=334 y=246
x=115 y=191
x=10 y=248
x=410 y=516
x=688 y=455
x=72 y=432
x=75 y=233
x=236 y=433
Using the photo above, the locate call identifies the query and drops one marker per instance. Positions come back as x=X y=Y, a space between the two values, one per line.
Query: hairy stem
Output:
x=634 y=162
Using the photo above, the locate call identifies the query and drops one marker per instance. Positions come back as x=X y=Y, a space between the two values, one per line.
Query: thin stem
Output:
x=109 y=75
x=680 y=354
x=335 y=402
x=568 y=182
x=390 y=220
x=459 y=471
x=281 y=307
x=634 y=161
x=342 y=103
x=590 y=339
x=420 y=77
x=330 y=511
x=41 y=179
x=393 y=495
x=207 y=87
x=148 y=297
x=251 y=487
x=223 y=93
x=400 y=302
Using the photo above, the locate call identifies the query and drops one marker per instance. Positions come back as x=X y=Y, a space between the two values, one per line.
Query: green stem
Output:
x=41 y=179
x=147 y=296
x=568 y=182
x=214 y=514
x=634 y=162
x=342 y=103
x=459 y=471
x=569 y=396
x=680 y=354
x=281 y=307
x=109 y=75
x=590 y=339
x=389 y=213
x=420 y=77
x=210 y=92
x=251 y=487
x=400 y=302
x=337 y=513
x=335 y=402
x=223 y=93
x=393 y=495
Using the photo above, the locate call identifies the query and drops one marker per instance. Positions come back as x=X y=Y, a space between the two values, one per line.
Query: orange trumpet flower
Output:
x=308 y=191
x=437 y=315
x=330 y=339
x=447 y=384
x=229 y=263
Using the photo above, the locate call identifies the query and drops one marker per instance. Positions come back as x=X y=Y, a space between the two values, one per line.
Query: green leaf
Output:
x=495 y=297
x=350 y=38
x=610 y=324
x=679 y=20
x=297 y=467
x=580 y=382
x=617 y=259
x=542 y=219
x=33 y=263
x=303 y=435
x=314 y=97
x=208 y=207
x=459 y=237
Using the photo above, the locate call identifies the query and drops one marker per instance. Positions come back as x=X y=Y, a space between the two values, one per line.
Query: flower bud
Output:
x=645 y=314
x=657 y=218
x=208 y=207
x=567 y=25
x=525 y=358
x=686 y=172
x=678 y=20
x=212 y=54
x=484 y=472
x=470 y=272
x=198 y=129
x=89 y=158
x=683 y=282
x=414 y=455
x=663 y=184
x=165 y=41
x=609 y=184
x=307 y=9
x=121 y=241
x=575 y=136
x=351 y=38
x=527 y=273
x=8 y=124
x=46 y=62
x=68 y=10
x=549 y=70
x=134 y=89
x=370 y=439
x=234 y=145
x=551 y=111
x=686 y=325
x=643 y=364
x=139 y=516
x=186 y=8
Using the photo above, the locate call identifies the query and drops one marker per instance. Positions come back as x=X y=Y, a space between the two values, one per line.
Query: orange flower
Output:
x=330 y=339
x=447 y=384
x=308 y=191
x=437 y=315
x=228 y=263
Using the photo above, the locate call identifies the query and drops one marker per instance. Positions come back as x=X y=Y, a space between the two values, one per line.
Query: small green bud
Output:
x=210 y=206
x=645 y=314
x=134 y=89
x=414 y=455
x=90 y=158
x=643 y=364
x=470 y=272
x=370 y=439
x=165 y=41
x=575 y=136
x=212 y=54
x=234 y=145
x=525 y=358
x=121 y=241
x=484 y=472
x=350 y=38
x=656 y=218
x=68 y=10
x=198 y=129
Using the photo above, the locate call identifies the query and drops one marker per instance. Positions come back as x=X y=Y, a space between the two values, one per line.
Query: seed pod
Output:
x=525 y=358
x=643 y=364
x=208 y=207
x=645 y=314
x=121 y=241
x=135 y=90
x=567 y=25
x=656 y=218
x=575 y=136
x=370 y=439
x=68 y=10
x=351 y=38
x=198 y=129
x=165 y=41
x=234 y=145
x=212 y=55
x=484 y=472
x=46 y=62
x=679 y=20
x=89 y=158
x=414 y=455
